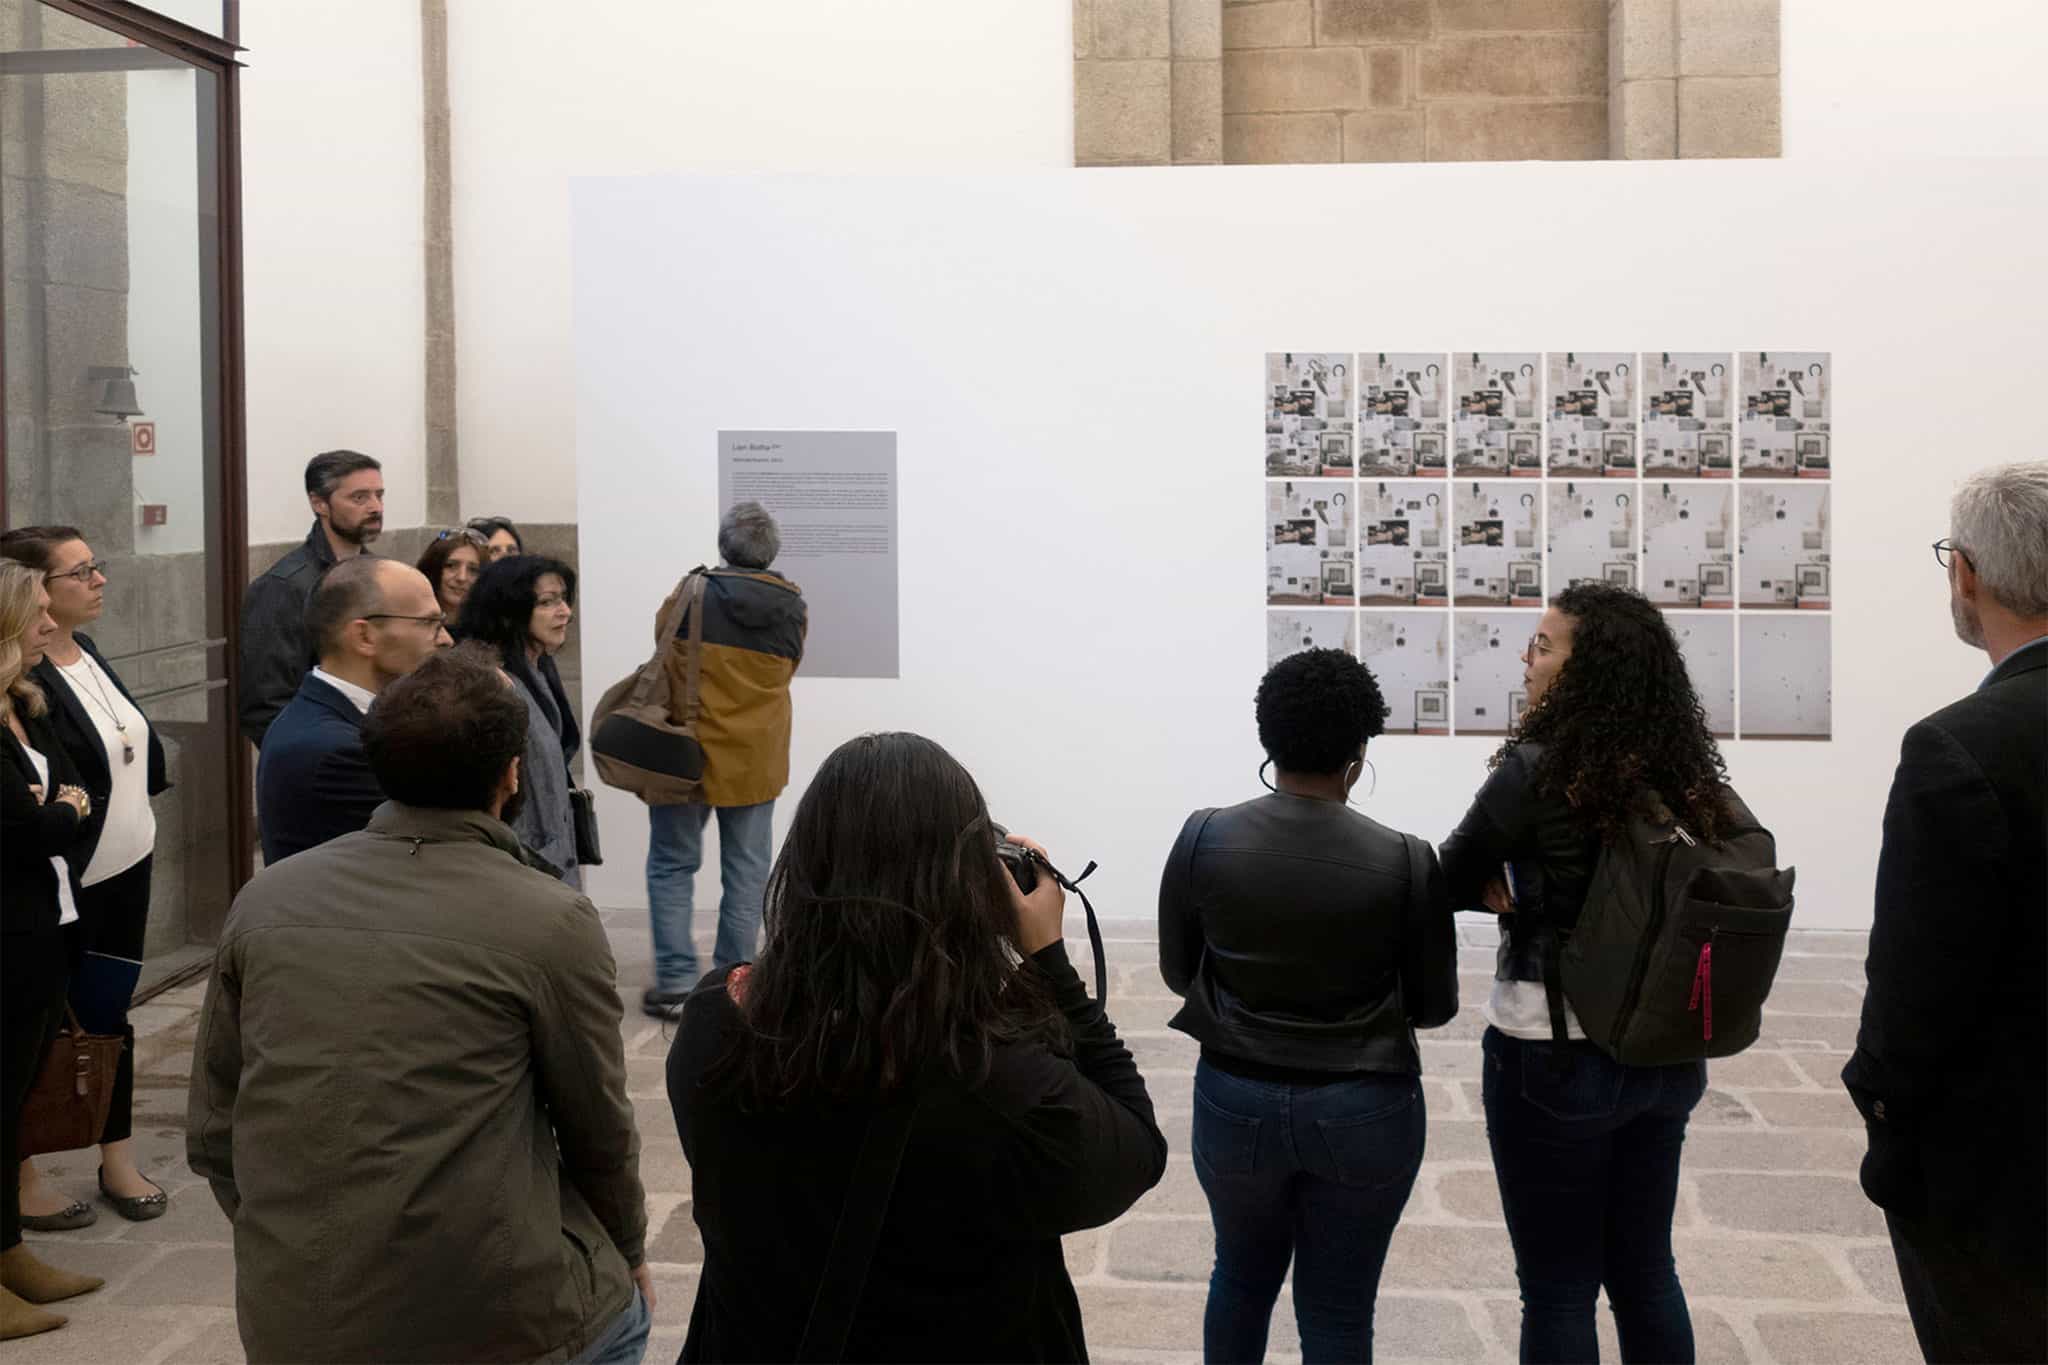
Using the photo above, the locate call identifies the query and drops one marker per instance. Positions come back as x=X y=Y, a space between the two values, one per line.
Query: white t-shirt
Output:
x=67 y=907
x=130 y=829
x=1520 y=1009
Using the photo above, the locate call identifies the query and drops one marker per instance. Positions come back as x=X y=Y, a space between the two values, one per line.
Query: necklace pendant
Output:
x=127 y=752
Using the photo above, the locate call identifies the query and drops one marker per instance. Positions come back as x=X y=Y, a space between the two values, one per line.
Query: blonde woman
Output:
x=43 y=813
x=120 y=761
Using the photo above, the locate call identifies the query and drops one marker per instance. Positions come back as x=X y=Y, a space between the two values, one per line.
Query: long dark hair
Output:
x=499 y=612
x=1622 y=715
x=889 y=952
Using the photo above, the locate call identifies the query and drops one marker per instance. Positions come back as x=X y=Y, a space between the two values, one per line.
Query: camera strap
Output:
x=1094 y=928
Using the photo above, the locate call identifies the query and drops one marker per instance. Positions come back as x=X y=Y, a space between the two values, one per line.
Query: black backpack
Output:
x=1679 y=939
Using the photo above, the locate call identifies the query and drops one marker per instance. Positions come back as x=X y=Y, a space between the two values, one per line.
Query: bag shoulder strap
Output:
x=857 y=1233
x=666 y=624
x=693 y=660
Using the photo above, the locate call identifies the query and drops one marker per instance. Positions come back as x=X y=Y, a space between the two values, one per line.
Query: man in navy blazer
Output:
x=1951 y=1063
x=375 y=620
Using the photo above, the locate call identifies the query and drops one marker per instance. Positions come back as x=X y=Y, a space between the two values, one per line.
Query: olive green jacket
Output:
x=409 y=1094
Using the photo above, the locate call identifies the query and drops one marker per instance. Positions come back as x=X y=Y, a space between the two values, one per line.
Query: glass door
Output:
x=117 y=408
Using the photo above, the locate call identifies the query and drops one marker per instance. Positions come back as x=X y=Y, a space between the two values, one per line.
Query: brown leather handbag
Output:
x=67 y=1107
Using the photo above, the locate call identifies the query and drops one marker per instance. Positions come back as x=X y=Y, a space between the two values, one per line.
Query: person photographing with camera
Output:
x=900 y=1107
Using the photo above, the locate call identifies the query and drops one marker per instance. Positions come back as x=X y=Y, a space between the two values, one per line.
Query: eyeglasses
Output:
x=83 y=573
x=1945 y=551
x=468 y=534
x=434 y=622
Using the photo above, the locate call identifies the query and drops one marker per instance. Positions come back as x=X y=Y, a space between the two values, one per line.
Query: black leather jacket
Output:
x=1534 y=833
x=1293 y=931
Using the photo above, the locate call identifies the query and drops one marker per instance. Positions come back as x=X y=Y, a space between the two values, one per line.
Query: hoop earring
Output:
x=1262 y=777
x=1367 y=763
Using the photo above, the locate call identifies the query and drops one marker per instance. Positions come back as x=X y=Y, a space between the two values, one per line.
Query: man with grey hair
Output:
x=345 y=489
x=1951 y=1063
x=753 y=640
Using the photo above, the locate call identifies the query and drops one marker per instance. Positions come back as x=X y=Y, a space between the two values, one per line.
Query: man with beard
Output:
x=409 y=1090
x=346 y=491
x=1951 y=1064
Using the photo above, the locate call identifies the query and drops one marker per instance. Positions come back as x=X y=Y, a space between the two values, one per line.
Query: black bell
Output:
x=117 y=399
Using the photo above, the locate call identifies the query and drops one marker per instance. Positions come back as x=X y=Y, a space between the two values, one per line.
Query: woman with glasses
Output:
x=120 y=761
x=522 y=606
x=1309 y=942
x=43 y=818
x=451 y=562
x=500 y=535
x=1585 y=1149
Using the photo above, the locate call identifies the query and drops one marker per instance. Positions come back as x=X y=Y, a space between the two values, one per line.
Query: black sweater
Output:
x=968 y=1267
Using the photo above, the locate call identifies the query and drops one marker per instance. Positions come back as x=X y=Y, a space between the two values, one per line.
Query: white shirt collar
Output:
x=361 y=696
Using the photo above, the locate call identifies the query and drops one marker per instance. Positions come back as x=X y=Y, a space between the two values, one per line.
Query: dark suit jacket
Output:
x=78 y=732
x=312 y=781
x=32 y=955
x=274 y=650
x=1951 y=1063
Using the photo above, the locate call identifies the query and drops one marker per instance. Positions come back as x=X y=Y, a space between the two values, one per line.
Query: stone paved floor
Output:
x=1781 y=1257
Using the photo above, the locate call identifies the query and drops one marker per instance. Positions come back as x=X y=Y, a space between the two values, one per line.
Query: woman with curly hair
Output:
x=1585 y=1149
x=1309 y=942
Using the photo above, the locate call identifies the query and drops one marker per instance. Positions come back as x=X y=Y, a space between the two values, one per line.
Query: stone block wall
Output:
x=1414 y=80
x=1160 y=82
x=1148 y=82
x=1694 y=78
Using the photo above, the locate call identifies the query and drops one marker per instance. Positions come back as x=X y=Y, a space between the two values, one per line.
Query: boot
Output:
x=23 y=1274
x=20 y=1319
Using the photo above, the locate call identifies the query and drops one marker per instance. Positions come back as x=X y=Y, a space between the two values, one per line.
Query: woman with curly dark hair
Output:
x=1585 y=1149
x=1309 y=942
x=896 y=1112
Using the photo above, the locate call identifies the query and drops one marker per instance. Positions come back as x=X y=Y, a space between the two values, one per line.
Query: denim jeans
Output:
x=1313 y=1173
x=625 y=1341
x=675 y=850
x=1587 y=1161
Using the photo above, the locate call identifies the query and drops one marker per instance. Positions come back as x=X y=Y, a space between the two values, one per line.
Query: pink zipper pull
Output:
x=1703 y=990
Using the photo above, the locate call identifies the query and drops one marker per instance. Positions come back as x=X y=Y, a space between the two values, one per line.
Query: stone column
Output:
x=443 y=471
x=1148 y=82
x=1693 y=78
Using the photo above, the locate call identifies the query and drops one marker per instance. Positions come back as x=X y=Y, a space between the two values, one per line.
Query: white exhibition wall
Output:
x=639 y=87
x=335 y=275
x=1073 y=363
x=634 y=87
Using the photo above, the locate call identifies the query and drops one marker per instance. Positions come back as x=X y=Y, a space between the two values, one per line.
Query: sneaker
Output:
x=662 y=1002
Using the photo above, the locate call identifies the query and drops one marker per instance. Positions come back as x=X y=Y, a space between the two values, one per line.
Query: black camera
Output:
x=1023 y=863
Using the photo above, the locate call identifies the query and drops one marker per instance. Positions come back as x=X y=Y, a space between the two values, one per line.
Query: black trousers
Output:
x=113 y=918
x=1969 y=1306
x=26 y=1029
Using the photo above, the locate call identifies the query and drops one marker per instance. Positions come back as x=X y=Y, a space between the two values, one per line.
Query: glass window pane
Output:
x=112 y=403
